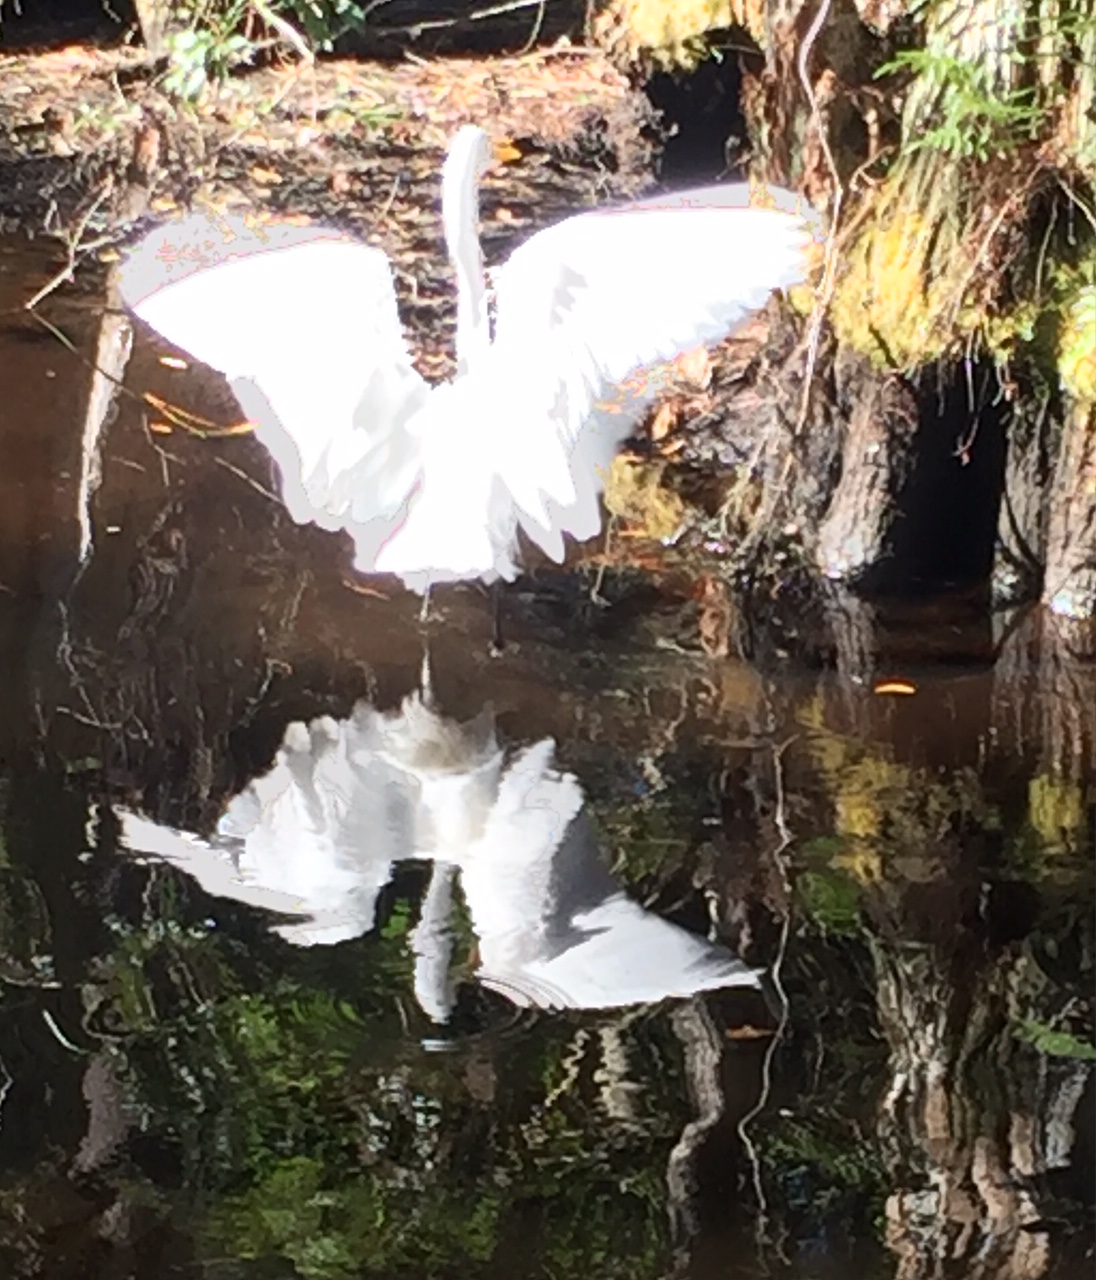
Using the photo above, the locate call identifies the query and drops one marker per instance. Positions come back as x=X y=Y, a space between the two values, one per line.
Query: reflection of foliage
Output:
x=824 y=1174
x=1054 y=1043
x=359 y=1224
x=831 y=899
x=26 y=956
x=821 y=1156
x=1056 y=811
x=26 y=944
x=889 y=817
x=315 y=1132
x=645 y=838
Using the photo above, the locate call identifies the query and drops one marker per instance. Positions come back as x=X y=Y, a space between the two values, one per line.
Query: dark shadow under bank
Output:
x=424 y=27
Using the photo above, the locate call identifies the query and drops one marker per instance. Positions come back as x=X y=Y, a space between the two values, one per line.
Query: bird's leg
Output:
x=595 y=591
x=497 y=642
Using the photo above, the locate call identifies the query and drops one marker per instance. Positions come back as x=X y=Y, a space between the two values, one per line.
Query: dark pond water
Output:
x=199 y=1083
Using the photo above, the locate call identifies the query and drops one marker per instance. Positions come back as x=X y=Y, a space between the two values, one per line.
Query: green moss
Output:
x=1077 y=343
x=899 y=300
x=1056 y=812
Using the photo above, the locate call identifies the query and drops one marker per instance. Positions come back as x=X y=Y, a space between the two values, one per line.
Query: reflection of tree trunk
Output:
x=967 y=1111
x=965 y=1210
x=852 y=628
x=703 y=1058
x=107 y=1125
x=614 y=1076
x=1042 y=712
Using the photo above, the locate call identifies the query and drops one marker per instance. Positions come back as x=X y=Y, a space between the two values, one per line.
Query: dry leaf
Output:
x=696 y=367
x=906 y=687
x=664 y=421
x=264 y=177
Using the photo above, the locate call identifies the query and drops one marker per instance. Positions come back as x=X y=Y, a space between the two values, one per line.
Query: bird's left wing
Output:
x=303 y=323
x=587 y=311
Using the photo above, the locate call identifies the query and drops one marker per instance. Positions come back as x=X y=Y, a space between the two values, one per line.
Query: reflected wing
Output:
x=555 y=930
x=303 y=322
x=315 y=836
x=588 y=309
x=509 y=874
x=628 y=956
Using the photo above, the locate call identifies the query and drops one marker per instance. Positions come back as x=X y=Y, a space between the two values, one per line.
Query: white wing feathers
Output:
x=315 y=836
x=555 y=929
x=589 y=308
x=303 y=322
x=433 y=483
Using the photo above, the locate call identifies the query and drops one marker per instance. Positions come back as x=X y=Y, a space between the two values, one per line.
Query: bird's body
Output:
x=433 y=483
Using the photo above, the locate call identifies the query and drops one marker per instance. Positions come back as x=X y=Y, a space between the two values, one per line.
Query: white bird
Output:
x=433 y=483
x=319 y=834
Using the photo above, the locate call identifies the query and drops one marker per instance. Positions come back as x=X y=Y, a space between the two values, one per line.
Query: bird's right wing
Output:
x=588 y=310
x=303 y=322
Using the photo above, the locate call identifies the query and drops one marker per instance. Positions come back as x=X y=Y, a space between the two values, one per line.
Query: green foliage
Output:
x=26 y=944
x=323 y=21
x=827 y=1173
x=332 y=1228
x=214 y=37
x=1055 y=1044
x=208 y=48
x=975 y=119
x=831 y=898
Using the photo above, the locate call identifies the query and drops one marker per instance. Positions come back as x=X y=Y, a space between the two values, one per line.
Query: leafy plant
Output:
x=976 y=119
x=208 y=49
x=323 y=21
x=1055 y=1044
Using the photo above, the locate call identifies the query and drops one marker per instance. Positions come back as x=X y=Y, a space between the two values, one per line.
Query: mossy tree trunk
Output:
x=956 y=143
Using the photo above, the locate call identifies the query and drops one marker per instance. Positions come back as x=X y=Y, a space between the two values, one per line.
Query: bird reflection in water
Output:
x=319 y=835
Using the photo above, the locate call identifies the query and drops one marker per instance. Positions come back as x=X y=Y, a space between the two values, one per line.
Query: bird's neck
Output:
x=460 y=218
